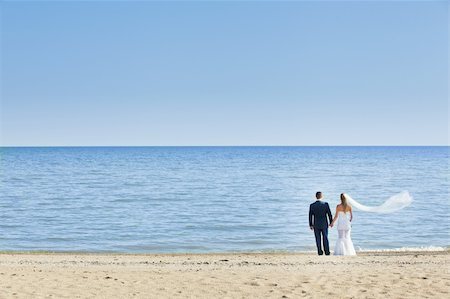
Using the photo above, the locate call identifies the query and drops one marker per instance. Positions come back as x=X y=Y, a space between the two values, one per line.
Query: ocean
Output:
x=215 y=199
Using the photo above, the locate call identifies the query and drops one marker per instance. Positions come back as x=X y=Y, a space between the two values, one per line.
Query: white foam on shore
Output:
x=363 y=250
x=406 y=249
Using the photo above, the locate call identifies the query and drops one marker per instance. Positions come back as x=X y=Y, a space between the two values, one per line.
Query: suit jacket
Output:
x=318 y=212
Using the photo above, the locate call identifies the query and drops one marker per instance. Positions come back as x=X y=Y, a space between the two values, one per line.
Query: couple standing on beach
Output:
x=320 y=213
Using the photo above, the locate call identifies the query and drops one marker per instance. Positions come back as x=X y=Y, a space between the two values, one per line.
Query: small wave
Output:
x=407 y=249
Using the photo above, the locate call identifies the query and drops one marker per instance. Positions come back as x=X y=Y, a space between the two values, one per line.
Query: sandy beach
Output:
x=238 y=275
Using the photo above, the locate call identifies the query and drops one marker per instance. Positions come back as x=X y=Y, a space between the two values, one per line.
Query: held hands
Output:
x=311 y=227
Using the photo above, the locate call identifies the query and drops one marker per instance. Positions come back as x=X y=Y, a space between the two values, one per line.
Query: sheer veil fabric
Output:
x=392 y=204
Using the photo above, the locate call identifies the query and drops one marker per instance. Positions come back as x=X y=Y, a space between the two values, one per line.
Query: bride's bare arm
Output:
x=335 y=217
x=351 y=214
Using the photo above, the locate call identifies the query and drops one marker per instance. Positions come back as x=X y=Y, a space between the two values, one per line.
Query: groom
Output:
x=318 y=212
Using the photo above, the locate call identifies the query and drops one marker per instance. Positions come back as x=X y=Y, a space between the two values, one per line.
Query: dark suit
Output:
x=318 y=212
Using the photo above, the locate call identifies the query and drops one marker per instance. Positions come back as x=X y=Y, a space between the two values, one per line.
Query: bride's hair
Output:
x=344 y=201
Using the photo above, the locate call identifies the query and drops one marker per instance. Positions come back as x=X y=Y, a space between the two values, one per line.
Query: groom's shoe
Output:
x=327 y=253
x=320 y=253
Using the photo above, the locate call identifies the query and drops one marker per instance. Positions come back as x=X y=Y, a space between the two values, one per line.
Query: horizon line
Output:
x=386 y=145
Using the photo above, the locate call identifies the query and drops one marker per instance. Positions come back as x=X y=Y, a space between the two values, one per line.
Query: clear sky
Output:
x=224 y=73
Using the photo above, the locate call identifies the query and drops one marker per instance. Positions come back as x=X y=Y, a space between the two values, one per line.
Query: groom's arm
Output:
x=330 y=216
x=310 y=218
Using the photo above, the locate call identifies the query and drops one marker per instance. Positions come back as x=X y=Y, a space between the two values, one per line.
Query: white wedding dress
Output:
x=344 y=244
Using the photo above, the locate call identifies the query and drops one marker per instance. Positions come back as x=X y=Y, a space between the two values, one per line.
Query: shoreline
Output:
x=405 y=250
x=412 y=274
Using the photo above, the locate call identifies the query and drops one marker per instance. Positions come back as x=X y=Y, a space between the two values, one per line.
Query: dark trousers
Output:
x=322 y=235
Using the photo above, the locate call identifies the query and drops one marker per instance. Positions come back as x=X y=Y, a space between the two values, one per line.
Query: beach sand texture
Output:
x=237 y=275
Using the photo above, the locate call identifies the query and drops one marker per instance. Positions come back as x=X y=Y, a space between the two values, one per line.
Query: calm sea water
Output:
x=204 y=199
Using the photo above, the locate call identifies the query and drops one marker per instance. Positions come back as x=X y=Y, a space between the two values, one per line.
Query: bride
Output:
x=344 y=217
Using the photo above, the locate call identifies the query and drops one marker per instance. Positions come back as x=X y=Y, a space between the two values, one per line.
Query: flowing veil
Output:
x=392 y=204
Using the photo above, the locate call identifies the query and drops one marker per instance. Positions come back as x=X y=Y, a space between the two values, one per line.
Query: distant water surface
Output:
x=205 y=199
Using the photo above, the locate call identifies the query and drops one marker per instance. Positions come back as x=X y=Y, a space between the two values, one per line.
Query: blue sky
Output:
x=224 y=73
